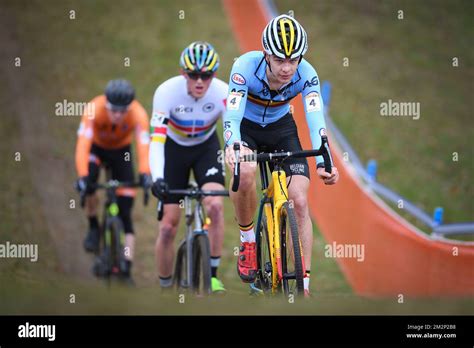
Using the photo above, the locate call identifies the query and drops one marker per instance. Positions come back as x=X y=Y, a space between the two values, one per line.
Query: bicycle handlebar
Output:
x=193 y=193
x=196 y=193
x=115 y=184
x=268 y=157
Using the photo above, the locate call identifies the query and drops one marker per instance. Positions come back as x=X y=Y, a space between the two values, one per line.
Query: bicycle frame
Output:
x=272 y=202
x=111 y=208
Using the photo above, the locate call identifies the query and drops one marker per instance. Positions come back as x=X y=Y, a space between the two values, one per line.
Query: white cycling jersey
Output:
x=185 y=119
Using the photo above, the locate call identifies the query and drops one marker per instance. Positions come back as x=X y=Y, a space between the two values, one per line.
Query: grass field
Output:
x=72 y=59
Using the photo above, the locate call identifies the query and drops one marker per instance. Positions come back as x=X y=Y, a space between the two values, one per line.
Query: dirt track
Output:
x=48 y=173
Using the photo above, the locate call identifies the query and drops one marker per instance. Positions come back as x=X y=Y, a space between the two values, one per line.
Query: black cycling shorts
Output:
x=118 y=160
x=203 y=159
x=281 y=135
x=121 y=165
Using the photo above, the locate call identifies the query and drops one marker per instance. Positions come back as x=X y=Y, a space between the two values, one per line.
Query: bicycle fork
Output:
x=191 y=235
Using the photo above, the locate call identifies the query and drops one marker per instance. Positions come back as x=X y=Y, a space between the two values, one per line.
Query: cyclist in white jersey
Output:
x=186 y=109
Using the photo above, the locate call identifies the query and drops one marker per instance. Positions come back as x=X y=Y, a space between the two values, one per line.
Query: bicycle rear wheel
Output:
x=201 y=265
x=291 y=253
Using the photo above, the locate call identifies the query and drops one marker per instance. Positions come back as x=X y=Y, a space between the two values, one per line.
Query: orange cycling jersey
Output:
x=98 y=129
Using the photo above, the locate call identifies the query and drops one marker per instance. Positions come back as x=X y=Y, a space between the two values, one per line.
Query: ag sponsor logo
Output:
x=241 y=91
x=238 y=79
x=314 y=82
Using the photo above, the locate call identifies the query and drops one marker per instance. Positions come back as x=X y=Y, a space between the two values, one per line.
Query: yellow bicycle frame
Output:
x=278 y=194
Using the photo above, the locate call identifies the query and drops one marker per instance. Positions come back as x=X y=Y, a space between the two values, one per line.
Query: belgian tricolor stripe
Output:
x=267 y=102
x=246 y=227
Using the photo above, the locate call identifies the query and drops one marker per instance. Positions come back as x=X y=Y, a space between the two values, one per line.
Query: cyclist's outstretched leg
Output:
x=298 y=195
x=214 y=207
x=92 y=240
x=210 y=175
x=125 y=204
x=123 y=171
x=164 y=247
x=245 y=204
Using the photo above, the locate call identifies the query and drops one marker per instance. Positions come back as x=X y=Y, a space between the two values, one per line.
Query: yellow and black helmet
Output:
x=284 y=37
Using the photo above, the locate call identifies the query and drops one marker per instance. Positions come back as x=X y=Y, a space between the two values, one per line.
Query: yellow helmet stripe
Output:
x=214 y=60
x=188 y=62
x=209 y=55
x=288 y=47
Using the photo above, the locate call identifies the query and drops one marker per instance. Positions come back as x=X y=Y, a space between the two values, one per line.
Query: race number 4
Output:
x=312 y=102
x=233 y=101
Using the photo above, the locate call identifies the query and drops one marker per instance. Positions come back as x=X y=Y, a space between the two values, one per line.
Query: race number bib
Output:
x=312 y=102
x=233 y=101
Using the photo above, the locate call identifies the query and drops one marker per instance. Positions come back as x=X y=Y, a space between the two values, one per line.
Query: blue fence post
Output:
x=438 y=215
x=372 y=169
x=326 y=92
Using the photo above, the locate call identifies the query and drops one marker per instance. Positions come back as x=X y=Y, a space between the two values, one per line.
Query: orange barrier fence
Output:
x=397 y=258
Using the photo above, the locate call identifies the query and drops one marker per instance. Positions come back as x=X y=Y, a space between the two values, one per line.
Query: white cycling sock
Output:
x=247 y=234
x=306 y=281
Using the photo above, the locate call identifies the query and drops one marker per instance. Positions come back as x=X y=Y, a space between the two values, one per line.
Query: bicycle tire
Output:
x=287 y=214
x=201 y=265
x=117 y=257
x=180 y=269
x=264 y=264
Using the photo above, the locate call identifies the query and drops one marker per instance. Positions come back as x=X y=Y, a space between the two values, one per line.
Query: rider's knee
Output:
x=247 y=178
x=300 y=204
x=168 y=230
x=214 y=208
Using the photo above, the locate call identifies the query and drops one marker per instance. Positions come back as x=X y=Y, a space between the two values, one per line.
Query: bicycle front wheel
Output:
x=264 y=263
x=180 y=270
x=116 y=256
x=291 y=253
x=201 y=265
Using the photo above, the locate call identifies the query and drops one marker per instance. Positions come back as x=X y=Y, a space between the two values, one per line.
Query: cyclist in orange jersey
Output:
x=104 y=138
